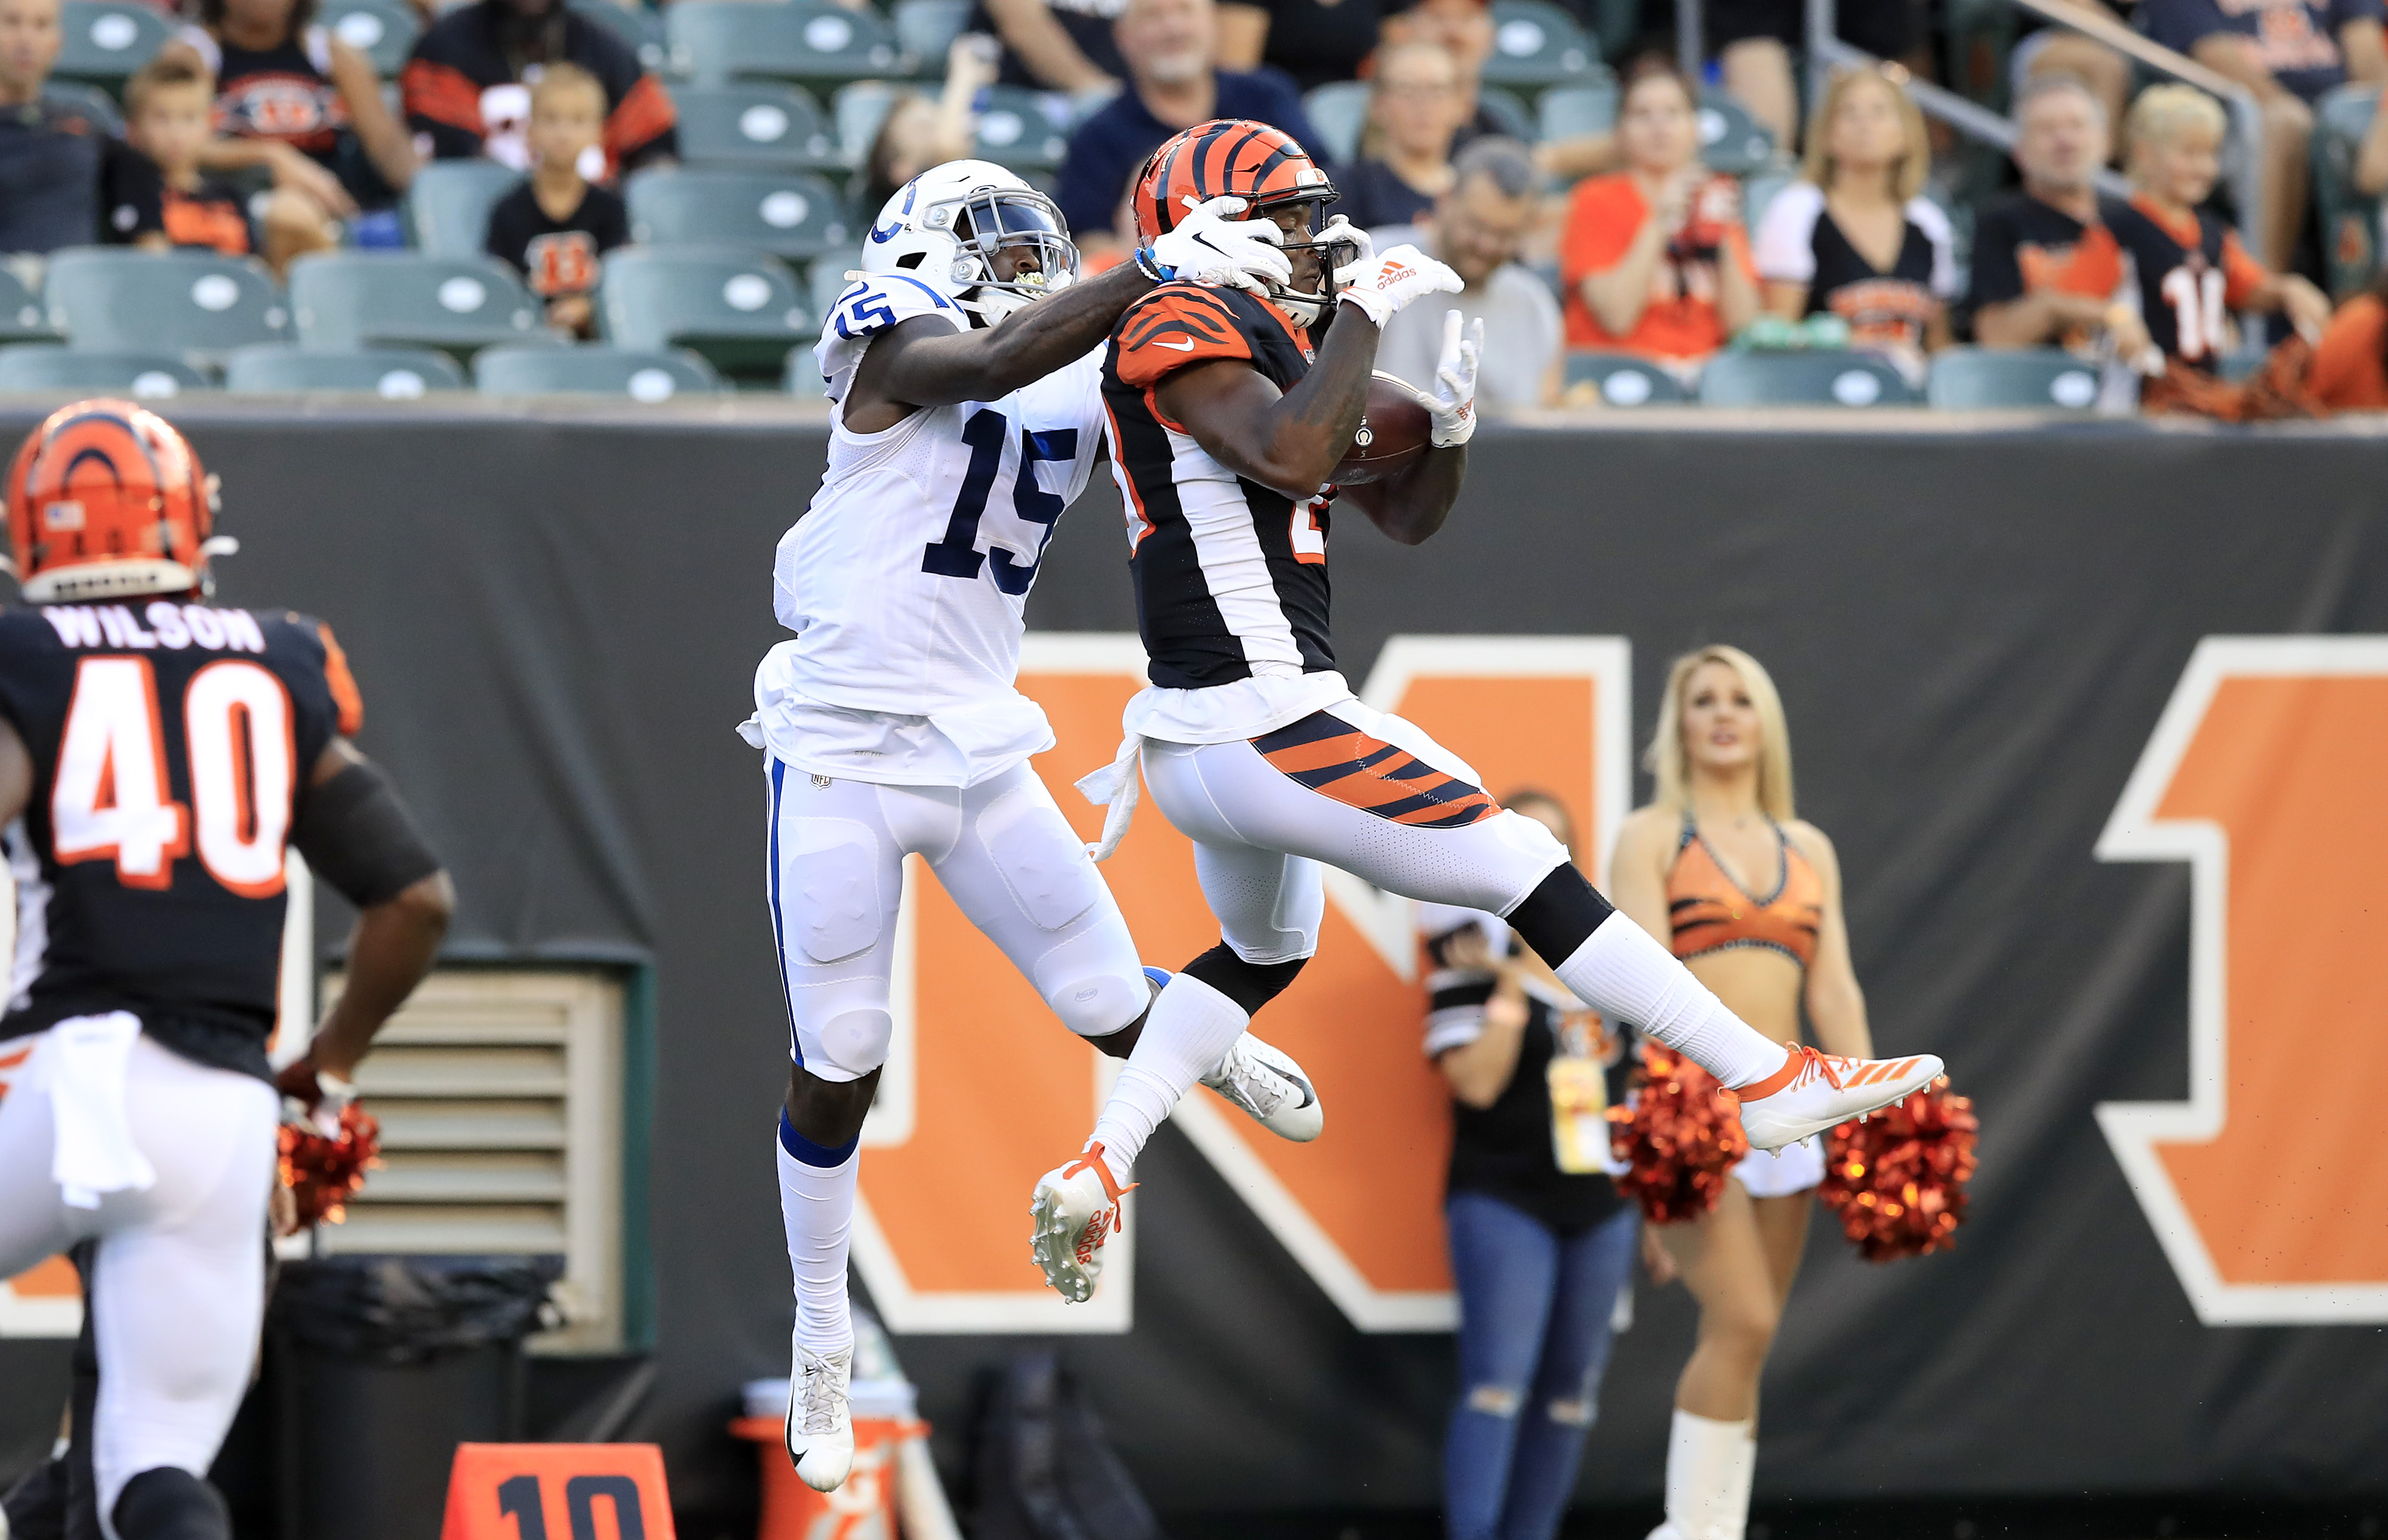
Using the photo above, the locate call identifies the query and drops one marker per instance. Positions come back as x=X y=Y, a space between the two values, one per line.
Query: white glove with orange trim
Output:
x=1379 y=287
x=1452 y=402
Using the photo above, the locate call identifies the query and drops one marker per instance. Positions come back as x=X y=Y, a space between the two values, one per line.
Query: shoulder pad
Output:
x=1173 y=326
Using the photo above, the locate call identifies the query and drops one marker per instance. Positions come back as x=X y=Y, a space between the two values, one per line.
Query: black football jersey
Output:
x=170 y=743
x=1228 y=574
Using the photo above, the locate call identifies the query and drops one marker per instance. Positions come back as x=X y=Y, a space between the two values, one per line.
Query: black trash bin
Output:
x=380 y=1365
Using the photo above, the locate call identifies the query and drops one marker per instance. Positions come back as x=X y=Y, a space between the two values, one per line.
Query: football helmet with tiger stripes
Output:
x=1234 y=157
x=105 y=499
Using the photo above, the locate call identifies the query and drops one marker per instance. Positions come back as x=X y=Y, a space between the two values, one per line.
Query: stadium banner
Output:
x=2092 y=713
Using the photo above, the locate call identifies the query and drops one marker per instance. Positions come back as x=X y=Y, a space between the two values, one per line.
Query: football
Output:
x=1393 y=433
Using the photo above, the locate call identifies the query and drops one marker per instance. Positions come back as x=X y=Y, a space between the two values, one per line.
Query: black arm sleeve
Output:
x=357 y=836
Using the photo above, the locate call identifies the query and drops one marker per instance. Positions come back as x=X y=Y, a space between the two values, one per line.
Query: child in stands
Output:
x=167 y=104
x=556 y=224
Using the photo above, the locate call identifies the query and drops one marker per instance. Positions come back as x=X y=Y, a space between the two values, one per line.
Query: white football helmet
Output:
x=944 y=226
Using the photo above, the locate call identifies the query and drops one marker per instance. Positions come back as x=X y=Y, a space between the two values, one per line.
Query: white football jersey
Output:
x=907 y=580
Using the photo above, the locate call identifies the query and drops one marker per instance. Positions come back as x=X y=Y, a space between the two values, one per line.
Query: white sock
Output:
x=1620 y=970
x=816 y=1206
x=1191 y=1029
x=1703 y=1459
x=1743 y=1473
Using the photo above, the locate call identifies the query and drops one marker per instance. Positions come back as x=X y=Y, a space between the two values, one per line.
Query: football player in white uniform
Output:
x=965 y=366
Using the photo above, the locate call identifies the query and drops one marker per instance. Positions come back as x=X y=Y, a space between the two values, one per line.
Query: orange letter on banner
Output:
x=557 y=1492
x=2264 y=1188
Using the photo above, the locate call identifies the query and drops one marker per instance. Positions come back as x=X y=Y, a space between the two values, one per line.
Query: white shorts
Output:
x=1353 y=788
x=177 y=1287
x=1005 y=855
x=1780 y=1173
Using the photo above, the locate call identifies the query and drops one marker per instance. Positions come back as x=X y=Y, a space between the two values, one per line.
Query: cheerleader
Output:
x=1750 y=898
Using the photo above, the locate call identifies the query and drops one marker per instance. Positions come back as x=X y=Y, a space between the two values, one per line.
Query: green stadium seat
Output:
x=859 y=109
x=758 y=126
x=1818 y=379
x=448 y=206
x=1731 y=140
x=21 y=318
x=1536 y=44
x=350 y=299
x=925 y=31
x=53 y=366
x=2349 y=222
x=635 y=25
x=640 y=375
x=392 y=374
x=103 y=41
x=384 y=31
x=1574 y=111
x=802 y=376
x=825 y=279
x=196 y=304
x=1339 y=110
x=88 y=99
x=788 y=214
x=1624 y=380
x=737 y=309
x=1509 y=112
x=1974 y=379
x=794 y=40
x=1015 y=128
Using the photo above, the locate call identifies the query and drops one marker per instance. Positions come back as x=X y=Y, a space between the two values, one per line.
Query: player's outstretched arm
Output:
x=1292 y=440
x=924 y=362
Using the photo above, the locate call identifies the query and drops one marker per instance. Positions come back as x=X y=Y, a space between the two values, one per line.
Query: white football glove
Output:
x=1452 y=403
x=1209 y=247
x=1385 y=284
x=1342 y=229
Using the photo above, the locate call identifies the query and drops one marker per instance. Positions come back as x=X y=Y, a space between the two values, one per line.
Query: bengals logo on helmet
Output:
x=106 y=497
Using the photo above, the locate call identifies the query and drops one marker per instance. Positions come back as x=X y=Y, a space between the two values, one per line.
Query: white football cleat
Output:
x=1075 y=1210
x=1270 y=1087
x=1813 y=1092
x=819 y=1428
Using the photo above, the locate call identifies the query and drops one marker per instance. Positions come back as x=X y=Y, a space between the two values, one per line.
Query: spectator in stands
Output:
x=2046 y=48
x=1056 y=44
x=1415 y=107
x=2350 y=363
x=2023 y=240
x=554 y=227
x=1655 y=261
x=919 y=133
x=2372 y=161
x=1854 y=237
x=1476 y=228
x=304 y=106
x=2287 y=53
x=1753 y=39
x=1316 y=42
x=1170 y=46
x=166 y=106
x=1541 y=1240
x=467 y=85
x=1463 y=29
x=64 y=180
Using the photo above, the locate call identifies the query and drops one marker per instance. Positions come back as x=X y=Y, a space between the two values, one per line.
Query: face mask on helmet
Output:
x=1011 y=245
x=1307 y=305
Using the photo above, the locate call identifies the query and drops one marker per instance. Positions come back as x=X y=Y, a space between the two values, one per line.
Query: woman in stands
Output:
x=1541 y=1242
x=1655 y=261
x=1854 y=237
x=1416 y=108
x=303 y=106
x=1750 y=898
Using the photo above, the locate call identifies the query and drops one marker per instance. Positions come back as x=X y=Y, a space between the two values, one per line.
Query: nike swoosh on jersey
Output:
x=1182 y=345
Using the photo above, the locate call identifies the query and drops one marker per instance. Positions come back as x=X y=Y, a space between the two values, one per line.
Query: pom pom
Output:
x=323 y=1174
x=1897 y=1179
x=1679 y=1138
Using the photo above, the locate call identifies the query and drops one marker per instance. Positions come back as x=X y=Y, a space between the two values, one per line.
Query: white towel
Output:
x=1114 y=786
x=84 y=1065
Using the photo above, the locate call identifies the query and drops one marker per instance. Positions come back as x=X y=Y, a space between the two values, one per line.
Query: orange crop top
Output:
x=1711 y=911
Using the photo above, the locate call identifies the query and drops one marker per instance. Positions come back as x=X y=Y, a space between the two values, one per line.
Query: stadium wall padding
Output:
x=555 y=619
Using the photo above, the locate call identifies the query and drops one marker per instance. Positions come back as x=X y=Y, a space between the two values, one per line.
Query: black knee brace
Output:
x=1251 y=985
x=1559 y=914
x=166 y=1504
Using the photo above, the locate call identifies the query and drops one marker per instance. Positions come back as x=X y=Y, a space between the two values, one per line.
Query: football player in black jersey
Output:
x=158 y=757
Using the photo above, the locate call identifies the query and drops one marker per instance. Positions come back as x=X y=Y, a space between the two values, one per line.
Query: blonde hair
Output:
x=2162 y=111
x=566 y=76
x=1914 y=162
x=1671 y=769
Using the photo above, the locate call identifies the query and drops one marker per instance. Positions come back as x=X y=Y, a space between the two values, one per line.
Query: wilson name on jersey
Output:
x=1230 y=576
x=171 y=745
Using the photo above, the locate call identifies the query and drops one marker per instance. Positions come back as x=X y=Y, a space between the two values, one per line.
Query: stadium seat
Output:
x=88 y=99
x=1015 y=130
x=859 y=109
x=350 y=299
x=20 y=314
x=1819 y=379
x=758 y=126
x=1972 y=379
x=103 y=41
x=1536 y=44
x=802 y=376
x=825 y=279
x=636 y=25
x=1509 y=110
x=1624 y=380
x=925 y=31
x=641 y=374
x=786 y=213
x=736 y=309
x=1572 y=111
x=53 y=366
x=384 y=31
x=2349 y=222
x=1731 y=140
x=393 y=373
x=1339 y=110
x=198 y=304
x=449 y=205
x=796 y=40
x=1756 y=192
